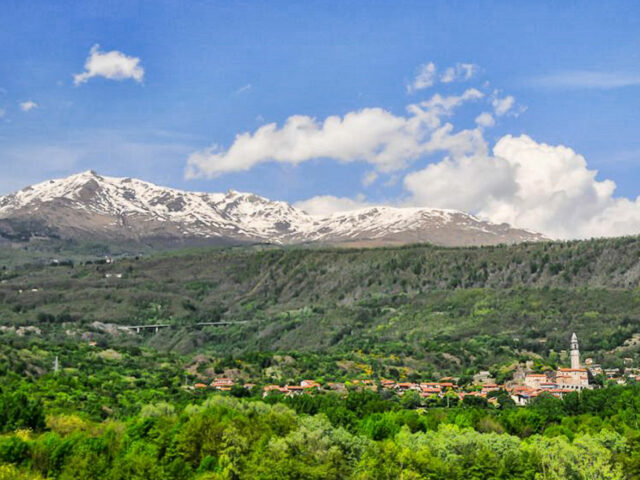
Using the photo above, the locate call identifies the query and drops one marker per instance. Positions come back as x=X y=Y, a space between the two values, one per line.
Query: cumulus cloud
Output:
x=427 y=75
x=374 y=135
x=328 y=204
x=486 y=120
x=459 y=72
x=445 y=105
x=28 y=105
x=113 y=65
x=528 y=184
x=464 y=183
x=425 y=78
x=502 y=105
x=545 y=188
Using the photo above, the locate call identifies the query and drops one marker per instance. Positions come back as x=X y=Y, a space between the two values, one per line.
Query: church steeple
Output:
x=575 y=352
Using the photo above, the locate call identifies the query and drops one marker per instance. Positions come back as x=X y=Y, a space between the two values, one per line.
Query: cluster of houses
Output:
x=557 y=383
x=617 y=375
x=226 y=384
x=426 y=390
x=522 y=389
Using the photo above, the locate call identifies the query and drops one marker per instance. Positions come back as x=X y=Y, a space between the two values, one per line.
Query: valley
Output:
x=170 y=359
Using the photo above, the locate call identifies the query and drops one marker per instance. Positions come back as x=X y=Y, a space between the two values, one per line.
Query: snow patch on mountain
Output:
x=129 y=207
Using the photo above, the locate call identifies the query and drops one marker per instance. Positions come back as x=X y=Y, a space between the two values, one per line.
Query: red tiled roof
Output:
x=309 y=384
x=431 y=390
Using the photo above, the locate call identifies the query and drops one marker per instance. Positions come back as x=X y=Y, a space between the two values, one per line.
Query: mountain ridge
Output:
x=90 y=206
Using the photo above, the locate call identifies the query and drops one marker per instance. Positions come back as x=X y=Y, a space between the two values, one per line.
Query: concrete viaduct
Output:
x=156 y=327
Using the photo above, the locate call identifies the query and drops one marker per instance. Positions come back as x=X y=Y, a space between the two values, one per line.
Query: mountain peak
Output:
x=86 y=175
x=90 y=206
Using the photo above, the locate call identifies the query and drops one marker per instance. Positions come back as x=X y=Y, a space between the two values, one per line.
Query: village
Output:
x=523 y=388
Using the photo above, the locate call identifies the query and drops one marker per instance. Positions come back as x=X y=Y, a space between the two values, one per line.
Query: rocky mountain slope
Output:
x=88 y=206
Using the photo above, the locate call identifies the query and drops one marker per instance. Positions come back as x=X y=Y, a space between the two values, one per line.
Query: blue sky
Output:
x=213 y=70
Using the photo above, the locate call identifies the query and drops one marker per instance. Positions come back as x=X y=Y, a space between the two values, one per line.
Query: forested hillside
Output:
x=438 y=310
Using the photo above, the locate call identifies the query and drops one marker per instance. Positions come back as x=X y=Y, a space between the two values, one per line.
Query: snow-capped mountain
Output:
x=89 y=206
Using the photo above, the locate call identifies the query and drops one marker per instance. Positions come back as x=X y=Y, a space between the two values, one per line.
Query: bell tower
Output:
x=575 y=353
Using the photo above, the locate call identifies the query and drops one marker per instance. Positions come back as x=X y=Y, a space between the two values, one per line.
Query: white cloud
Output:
x=527 y=184
x=459 y=72
x=28 y=105
x=372 y=135
x=113 y=65
x=486 y=120
x=587 y=79
x=425 y=78
x=328 y=204
x=427 y=75
x=447 y=104
x=533 y=185
x=244 y=88
x=501 y=106
x=448 y=76
x=524 y=183
x=369 y=178
x=463 y=183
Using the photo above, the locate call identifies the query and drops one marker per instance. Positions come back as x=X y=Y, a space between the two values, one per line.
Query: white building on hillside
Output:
x=575 y=352
x=563 y=380
x=576 y=377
